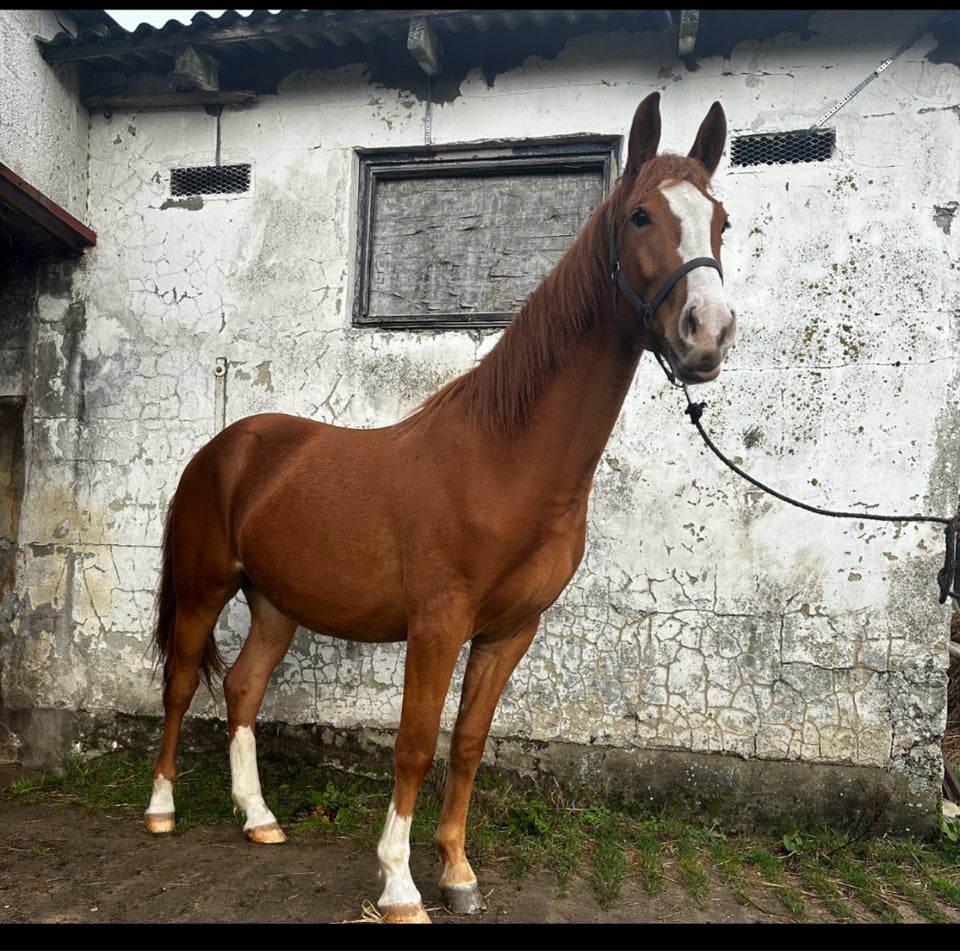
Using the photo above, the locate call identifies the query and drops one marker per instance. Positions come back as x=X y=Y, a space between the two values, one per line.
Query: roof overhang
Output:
x=209 y=58
x=36 y=224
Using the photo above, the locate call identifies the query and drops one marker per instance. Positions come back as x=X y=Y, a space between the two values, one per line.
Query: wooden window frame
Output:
x=597 y=153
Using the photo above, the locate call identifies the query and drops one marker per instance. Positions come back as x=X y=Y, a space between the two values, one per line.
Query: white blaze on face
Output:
x=695 y=212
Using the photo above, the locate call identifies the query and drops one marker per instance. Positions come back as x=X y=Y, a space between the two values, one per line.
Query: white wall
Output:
x=705 y=616
x=43 y=126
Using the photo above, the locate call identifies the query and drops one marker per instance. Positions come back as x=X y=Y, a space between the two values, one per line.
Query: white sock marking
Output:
x=245 y=780
x=161 y=799
x=393 y=851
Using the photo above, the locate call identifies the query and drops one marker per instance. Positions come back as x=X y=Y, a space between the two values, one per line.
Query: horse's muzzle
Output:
x=703 y=372
x=706 y=335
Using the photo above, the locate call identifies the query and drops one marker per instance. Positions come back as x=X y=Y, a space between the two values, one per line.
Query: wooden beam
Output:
x=689 y=27
x=423 y=44
x=155 y=100
x=195 y=70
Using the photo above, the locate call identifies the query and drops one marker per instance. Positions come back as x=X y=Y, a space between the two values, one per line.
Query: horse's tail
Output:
x=165 y=628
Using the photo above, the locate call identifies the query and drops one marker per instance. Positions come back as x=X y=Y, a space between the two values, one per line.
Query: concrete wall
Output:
x=708 y=623
x=43 y=139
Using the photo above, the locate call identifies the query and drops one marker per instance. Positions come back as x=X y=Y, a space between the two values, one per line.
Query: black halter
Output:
x=646 y=311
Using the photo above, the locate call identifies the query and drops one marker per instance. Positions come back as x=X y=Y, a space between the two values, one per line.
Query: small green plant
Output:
x=794 y=841
x=594 y=815
x=531 y=820
x=950 y=836
x=332 y=805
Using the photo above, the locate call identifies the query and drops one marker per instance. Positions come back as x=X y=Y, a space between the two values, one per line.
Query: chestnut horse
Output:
x=461 y=523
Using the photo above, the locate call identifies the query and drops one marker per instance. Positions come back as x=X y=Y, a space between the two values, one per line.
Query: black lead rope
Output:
x=948 y=575
x=948 y=578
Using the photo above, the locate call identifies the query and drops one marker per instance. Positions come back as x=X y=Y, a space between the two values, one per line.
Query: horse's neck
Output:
x=565 y=418
x=574 y=418
x=553 y=386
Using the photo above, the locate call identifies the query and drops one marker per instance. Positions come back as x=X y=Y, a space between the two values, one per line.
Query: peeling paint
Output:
x=943 y=215
x=263 y=377
x=191 y=203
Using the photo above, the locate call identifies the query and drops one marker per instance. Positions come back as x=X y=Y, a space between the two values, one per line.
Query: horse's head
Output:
x=664 y=231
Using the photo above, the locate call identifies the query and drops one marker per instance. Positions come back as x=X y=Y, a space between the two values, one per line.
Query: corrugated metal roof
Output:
x=231 y=58
x=232 y=36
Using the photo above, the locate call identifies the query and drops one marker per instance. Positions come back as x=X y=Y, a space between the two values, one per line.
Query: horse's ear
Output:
x=711 y=138
x=644 y=134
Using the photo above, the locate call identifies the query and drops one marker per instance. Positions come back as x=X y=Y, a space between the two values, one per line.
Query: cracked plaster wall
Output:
x=706 y=616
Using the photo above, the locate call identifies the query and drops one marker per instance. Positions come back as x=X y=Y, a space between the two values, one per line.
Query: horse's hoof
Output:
x=463 y=899
x=267 y=834
x=159 y=823
x=405 y=914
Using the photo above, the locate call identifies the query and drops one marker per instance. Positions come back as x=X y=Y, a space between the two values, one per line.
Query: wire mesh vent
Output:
x=210 y=180
x=783 y=148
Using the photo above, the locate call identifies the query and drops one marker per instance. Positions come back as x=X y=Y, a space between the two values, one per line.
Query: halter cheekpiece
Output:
x=646 y=311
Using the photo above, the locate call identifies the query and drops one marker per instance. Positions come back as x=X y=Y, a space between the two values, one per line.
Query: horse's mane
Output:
x=544 y=337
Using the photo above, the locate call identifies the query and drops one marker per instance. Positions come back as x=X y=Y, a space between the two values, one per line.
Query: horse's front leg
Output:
x=488 y=669
x=431 y=656
x=243 y=687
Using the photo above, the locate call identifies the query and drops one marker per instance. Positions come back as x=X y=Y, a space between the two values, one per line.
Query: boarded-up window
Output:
x=454 y=240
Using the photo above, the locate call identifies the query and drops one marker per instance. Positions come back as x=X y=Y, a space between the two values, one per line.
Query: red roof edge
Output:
x=27 y=200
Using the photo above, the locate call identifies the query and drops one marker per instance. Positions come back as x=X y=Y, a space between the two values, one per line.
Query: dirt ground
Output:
x=61 y=866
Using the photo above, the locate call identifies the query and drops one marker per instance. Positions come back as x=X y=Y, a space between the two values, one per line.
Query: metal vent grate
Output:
x=783 y=148
x=210 y=180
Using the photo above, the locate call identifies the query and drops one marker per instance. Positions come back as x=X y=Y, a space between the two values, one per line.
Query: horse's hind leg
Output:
x=489 y=667
x=244 y=686
x=194 y=626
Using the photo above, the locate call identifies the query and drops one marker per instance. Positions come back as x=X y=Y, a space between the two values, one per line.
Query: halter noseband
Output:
x=646 y=311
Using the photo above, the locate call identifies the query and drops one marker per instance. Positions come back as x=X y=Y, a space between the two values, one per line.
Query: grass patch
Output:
x=811 y=872
x=609 y=863
x=865 y=887
x=648 y=861
x=730 y=868
x=690 y=864
x=814 y=875
x=771 y=867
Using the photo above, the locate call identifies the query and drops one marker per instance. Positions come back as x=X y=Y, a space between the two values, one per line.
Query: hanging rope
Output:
x=948 y=577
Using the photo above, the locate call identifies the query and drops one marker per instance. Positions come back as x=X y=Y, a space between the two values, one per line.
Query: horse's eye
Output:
x=640 y=218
